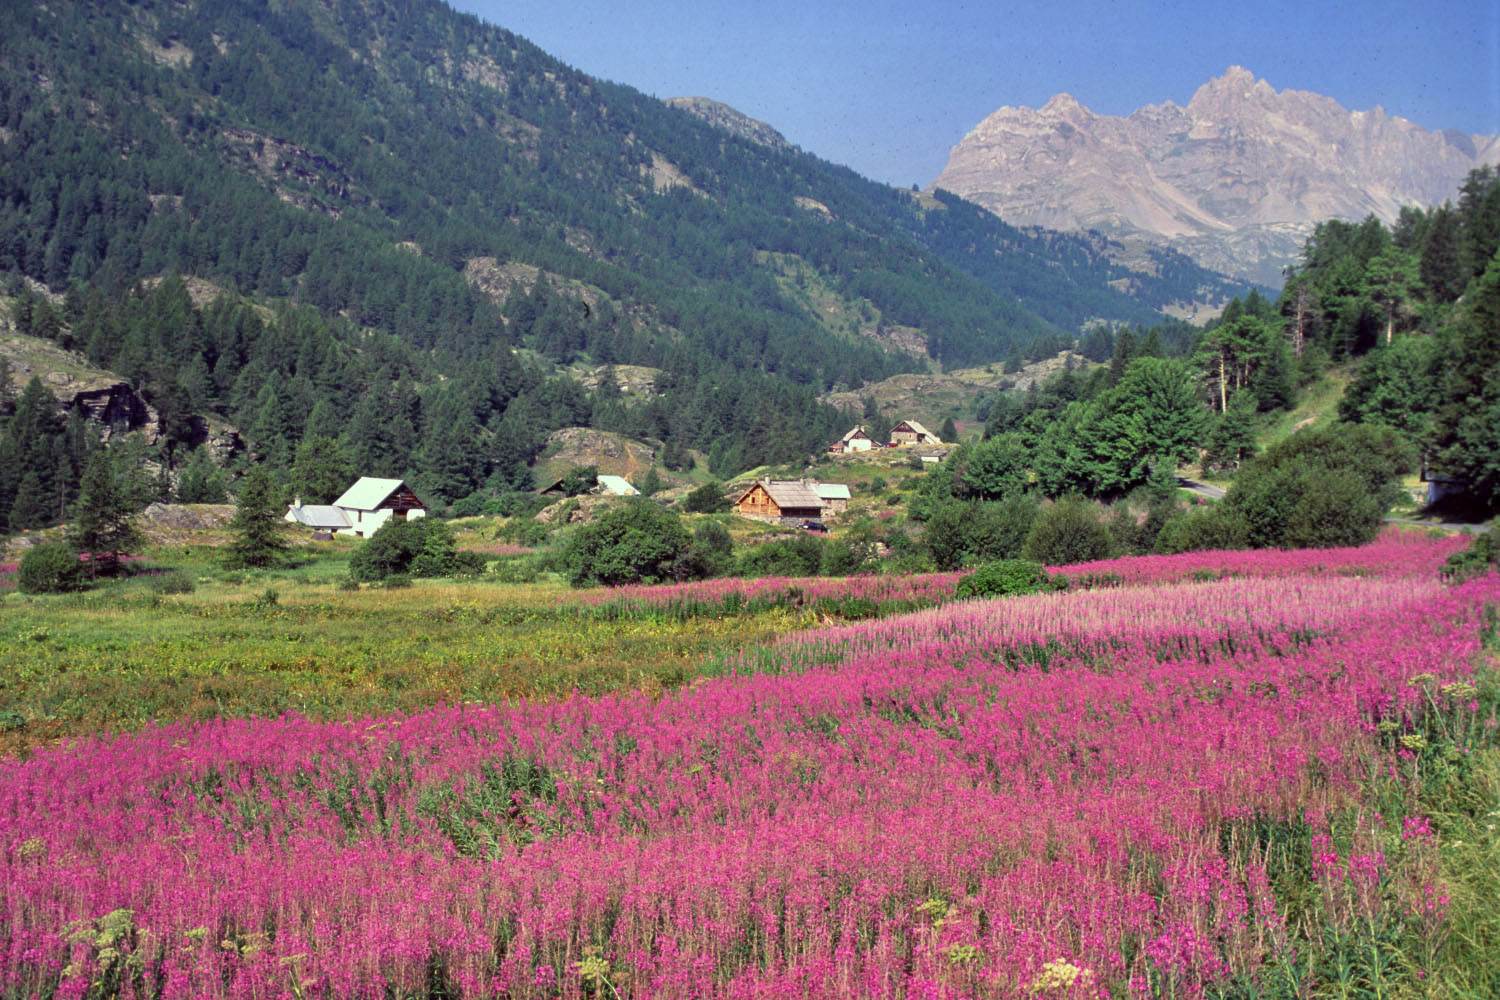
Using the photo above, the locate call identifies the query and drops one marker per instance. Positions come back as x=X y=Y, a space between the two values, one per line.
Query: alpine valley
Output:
x=396 y=225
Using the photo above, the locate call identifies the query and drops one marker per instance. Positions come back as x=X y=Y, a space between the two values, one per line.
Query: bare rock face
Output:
x=1236 y=180
x=730 y=120
x=102 y=396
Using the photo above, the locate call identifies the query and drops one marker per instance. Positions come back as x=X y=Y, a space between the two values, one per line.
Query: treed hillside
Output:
x=396 y=199
x=1408 y=316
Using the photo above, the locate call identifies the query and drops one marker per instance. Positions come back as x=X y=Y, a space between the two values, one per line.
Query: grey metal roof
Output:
x=832 y=491
x=318 y=516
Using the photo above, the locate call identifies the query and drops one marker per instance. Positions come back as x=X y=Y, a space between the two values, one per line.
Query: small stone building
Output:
x=835 y=497
x=911 y=432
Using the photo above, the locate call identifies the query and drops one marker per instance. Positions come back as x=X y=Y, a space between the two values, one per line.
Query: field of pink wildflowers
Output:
x=1087 y=794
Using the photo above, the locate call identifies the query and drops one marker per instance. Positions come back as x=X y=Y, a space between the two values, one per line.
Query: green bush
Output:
x=423 y=547
x=1321 y=487
x=1202 y=529
x=1006 y=578
x=706 y=499
x=50 y=568
x=1068 y=531
x=634 y=542
x=800 y=556
x=515 y=569
x=852 y=552
x=174 y=582
x=347 y=583
x=396 y=581
x=960 y=533
x=1482 y=555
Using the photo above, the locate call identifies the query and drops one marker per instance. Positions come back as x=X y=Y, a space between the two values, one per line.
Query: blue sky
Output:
x=888 y=88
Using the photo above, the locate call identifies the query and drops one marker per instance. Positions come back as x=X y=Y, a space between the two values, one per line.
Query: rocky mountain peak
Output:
x=1236 y=179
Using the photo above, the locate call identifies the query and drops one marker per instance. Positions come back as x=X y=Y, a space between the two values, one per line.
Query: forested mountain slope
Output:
x=361 y=165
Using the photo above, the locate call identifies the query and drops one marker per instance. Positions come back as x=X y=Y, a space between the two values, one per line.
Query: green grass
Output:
x=267 y=642
x=1319 y=406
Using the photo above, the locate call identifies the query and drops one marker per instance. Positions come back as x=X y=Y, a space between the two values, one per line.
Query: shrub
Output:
x=635 y=542
x=706 y=499
x=712 y=551
x=958 y=533
x=348 y=583
x=1068 y=531
x=1321 y=488
x=1482 y=555
x=1005 y=578
x=1201 y=529
x=853 y=552
x=515 y=569
x=800 y=556
x=423 y=547
x=174 y=582
x=397 y=581
x=51 y=568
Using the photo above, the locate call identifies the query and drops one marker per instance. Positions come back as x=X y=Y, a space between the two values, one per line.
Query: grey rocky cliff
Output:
x=1236 y=179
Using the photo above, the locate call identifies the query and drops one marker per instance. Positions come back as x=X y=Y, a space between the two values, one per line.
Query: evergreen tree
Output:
x=201 y=481
x=257 y=523
x=102 y=523
x=32 y=507
x=321 y=471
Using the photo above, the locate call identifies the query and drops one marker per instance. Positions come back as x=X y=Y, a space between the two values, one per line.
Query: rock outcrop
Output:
x=1236 y=179
x=102 y=396
x=730 y=120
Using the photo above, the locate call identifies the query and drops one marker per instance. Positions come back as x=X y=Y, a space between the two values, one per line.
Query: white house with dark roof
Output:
x=855 y=440
x=362 y=508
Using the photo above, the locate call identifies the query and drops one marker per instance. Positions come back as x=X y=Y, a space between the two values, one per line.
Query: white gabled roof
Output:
x=618 y=485
x=368 y=493
x=831 y=491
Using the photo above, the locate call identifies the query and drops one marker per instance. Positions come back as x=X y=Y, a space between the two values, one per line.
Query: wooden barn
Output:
x=780 y=500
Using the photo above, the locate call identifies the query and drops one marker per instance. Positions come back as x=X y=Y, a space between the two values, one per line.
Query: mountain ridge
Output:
x=1236 y=178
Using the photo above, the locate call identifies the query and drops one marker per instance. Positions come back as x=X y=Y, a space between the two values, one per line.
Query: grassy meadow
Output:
x=260 y=643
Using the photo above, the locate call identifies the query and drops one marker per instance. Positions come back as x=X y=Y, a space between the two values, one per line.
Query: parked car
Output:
x=817 y=527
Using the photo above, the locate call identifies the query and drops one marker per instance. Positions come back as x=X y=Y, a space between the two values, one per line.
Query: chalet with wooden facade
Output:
x=855 y=440
x=362 y=509
x=911 y=432
x=780 y=500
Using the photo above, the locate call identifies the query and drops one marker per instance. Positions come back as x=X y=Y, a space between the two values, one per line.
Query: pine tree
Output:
x=256 y=524
x=103 y=520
